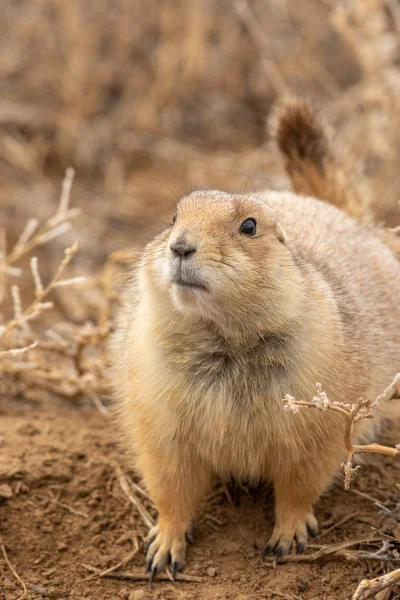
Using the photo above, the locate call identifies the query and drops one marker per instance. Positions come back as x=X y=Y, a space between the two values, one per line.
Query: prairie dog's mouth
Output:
x=194 y=285
x=185 y=276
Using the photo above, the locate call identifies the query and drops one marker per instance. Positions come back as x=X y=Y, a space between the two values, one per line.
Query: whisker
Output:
x=175 y=188
x=248 y=173
x=175 y=194
x=221 y=262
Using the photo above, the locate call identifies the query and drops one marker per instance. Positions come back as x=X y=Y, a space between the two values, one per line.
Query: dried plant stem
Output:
x=65 y=193
x=3 y=263
x=27 y=241
x=124 y=561
x=100 y=406
x=45 y=235
x=143 y=576
x=121 y=563
x=71 y=359
x=228 y=495
x=335 y=551
x=368 y=588
x=345 y=519
x=256 y=32
x=371 y=449
x=13 y=571
x=37 y=305
x=74 y=511
x=128 y=491
x=18 y=351
x=353 y=413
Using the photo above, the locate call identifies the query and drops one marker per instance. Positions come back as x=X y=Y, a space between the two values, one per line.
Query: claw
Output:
x=313 y=531
x=149 y=542
x=189 y=537
x=300 y=548
x=278 y=554
x=153 y=573
x=148 y=564
x=285 y=534
x=164 y=549
x=175 y=568
x=267 y=550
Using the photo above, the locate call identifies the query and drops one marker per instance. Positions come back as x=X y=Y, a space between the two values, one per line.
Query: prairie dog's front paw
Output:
x=164 y=546
x=286 y=531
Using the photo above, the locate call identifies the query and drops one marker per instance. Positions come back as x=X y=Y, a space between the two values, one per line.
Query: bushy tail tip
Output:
x=312 y=160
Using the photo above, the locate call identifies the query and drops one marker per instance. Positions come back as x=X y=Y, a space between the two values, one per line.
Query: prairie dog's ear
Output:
x=280 y=233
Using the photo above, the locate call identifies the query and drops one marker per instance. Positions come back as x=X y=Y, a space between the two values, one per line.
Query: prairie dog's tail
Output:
x=312 y=163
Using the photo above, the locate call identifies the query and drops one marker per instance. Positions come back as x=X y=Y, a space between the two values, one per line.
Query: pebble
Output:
x=61 y=546
x=137 y=595
x=211 y=571
x=5 y=491
x=39 y=589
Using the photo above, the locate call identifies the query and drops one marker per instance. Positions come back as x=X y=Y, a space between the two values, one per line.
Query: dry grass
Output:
x=143 y=104
x=62 y=358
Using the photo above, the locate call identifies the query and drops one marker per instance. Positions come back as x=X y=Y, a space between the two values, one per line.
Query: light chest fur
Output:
x=204 y=392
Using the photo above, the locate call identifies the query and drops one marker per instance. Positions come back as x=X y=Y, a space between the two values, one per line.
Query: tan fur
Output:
x=316 y=167
x=200 y=374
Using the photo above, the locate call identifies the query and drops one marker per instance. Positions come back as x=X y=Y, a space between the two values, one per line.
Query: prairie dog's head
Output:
x=225 y=259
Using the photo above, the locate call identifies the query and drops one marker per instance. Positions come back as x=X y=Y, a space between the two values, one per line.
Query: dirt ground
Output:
x=66 y=509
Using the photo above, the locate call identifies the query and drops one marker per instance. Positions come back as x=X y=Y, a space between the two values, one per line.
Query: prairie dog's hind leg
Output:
x=177 y=482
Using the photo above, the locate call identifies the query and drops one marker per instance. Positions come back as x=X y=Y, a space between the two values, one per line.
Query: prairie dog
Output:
x=244 y=299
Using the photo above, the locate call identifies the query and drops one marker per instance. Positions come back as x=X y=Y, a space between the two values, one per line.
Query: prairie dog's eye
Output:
x=174 y=218
x=248 y=227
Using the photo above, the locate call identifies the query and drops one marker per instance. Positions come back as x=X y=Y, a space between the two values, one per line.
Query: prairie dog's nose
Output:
x=183 y=248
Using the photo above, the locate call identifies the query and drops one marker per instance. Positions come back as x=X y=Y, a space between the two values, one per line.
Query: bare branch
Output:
x=370 y=588
x=353 y=413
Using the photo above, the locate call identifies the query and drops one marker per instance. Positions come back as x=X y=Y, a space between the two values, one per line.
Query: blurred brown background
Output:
x=146 y=99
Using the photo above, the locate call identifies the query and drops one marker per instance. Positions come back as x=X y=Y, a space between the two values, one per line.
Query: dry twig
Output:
x=53 y=227
x=255 y=30
x=339 y=550
x=353 y=413
x=13 y=571
x=370 y=588
x=345 y=519
x=129 y=575
x=31 y=364
x=128 y=491
x=120 y=564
